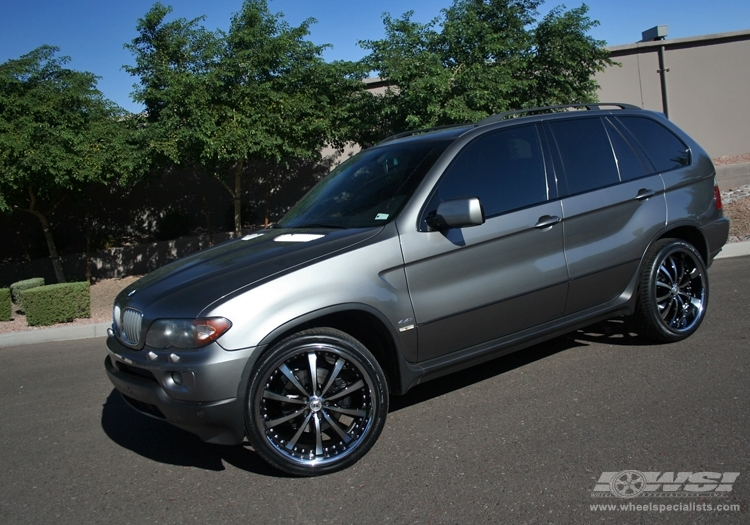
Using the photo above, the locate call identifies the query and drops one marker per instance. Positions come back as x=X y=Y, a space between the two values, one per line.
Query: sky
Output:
x=92 y=32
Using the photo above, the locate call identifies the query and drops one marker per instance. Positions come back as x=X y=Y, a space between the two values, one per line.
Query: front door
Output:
x=476 y=284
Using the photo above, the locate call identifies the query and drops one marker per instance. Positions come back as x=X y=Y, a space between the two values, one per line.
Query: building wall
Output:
x=707 y=86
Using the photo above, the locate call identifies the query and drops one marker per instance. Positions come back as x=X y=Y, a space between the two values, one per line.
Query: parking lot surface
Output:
x=523 y=439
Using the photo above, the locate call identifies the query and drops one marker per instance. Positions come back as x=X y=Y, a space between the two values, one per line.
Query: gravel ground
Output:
x=736 y=207
x=731 y=159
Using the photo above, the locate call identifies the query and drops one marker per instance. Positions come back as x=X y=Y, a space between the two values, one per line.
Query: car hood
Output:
x=185 y=288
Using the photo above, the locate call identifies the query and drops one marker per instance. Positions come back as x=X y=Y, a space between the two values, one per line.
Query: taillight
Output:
x=717 y=196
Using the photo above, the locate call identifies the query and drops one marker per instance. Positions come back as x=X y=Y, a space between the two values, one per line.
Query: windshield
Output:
x=367 y=190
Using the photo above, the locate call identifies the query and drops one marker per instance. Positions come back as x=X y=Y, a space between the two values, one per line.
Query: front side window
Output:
x=367 y=190
x=504 y=169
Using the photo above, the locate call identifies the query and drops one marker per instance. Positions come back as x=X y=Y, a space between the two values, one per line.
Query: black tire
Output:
x=310 y=423
x=673 y=292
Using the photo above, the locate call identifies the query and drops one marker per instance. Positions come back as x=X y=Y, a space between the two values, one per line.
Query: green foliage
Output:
x=57 y=131
x=58 y=134
x=223 y=101
x=479 y=58
x=6 y=309
x=57 y=303
x=17 y=287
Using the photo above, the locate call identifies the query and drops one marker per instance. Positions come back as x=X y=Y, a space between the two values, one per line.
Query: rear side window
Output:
x=629 y=163
x=505 y=169
x=665 y=151
x=586 y=154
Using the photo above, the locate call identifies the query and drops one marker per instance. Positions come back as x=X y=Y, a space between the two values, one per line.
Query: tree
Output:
x=482 y=57
x=58 y=134
x=222 y=102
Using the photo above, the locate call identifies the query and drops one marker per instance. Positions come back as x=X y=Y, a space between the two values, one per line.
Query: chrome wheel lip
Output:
x=680 y=290
x=319 y=412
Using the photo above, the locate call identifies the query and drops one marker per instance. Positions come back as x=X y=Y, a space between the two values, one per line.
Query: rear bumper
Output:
x=208 y=403
x=716 y=234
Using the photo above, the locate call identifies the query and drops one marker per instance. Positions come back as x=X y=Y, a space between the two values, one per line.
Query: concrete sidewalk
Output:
x=86 y=331
x=64 y=333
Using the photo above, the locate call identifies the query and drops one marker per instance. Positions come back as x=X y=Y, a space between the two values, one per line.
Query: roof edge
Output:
x=732 y=35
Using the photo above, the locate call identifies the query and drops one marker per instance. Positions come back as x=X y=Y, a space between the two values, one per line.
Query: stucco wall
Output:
x=707 y=86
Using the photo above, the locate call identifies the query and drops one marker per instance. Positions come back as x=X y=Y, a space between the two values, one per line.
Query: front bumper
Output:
x=208 y=397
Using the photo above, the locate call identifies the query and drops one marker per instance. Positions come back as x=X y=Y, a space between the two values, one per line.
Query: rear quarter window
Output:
x=663 y=148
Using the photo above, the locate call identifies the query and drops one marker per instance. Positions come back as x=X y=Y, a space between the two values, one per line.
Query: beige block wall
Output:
x=708 y=86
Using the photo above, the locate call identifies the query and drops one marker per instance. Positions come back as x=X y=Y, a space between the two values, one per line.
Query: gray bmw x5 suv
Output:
x=431 y=252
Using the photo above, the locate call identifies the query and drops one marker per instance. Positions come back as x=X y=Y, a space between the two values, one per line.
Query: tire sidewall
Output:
x=271 y=360
x=654 y=324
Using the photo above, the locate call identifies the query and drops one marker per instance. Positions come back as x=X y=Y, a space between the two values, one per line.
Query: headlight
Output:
x=185 y=333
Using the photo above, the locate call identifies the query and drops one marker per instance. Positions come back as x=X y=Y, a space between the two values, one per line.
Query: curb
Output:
x=87 y=331
x=48 y=335
x=734 y=249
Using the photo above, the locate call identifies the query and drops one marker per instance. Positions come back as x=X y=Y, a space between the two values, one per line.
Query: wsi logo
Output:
x=633 y=483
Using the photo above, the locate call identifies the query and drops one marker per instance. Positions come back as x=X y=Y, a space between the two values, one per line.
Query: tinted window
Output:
x=367 y=190
x=586 y=154
x=663 y=148
x=628 y=162
x=505 y=169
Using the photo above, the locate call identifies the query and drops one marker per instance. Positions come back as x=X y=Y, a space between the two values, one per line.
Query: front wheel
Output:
x=673 y=293
x=316 y=403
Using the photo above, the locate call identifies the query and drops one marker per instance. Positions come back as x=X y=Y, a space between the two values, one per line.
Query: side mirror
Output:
x=458 y=213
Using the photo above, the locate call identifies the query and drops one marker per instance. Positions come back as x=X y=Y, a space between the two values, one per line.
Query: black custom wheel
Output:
x=673 y=293
x=316 y=403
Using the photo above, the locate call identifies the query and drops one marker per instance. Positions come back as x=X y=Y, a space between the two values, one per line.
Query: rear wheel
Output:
x=673 y=293
x=316 y=403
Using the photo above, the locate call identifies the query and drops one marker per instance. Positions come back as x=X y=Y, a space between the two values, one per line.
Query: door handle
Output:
x=644 y=194
x=546 y=221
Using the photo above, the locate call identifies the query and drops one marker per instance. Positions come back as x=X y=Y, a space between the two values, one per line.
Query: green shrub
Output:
x=56 y=303
x=18 y=287
x=6 y=309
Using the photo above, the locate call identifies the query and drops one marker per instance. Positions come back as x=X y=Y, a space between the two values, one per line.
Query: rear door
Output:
x=614 y=205
x=472 y=285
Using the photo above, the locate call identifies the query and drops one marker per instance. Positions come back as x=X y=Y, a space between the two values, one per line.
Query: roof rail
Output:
x=592 y=106
x=420 y=131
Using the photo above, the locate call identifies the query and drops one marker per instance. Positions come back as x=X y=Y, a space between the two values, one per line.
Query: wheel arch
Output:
x=690 y=234
x=362 y=322
x=684 y=232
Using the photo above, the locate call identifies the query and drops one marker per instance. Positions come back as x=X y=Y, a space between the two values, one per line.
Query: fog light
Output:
x=177 y=378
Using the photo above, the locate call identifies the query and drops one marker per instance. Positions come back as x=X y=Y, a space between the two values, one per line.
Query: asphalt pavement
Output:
x=526 y=438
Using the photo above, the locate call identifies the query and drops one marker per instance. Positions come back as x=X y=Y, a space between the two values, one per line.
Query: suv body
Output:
x=425 y=254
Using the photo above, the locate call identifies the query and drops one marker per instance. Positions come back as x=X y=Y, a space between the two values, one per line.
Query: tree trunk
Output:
x=47 y=236
x=88 y=248
x=238 y=199
x=268 y=209
x=51 y=246
x=207 y=215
